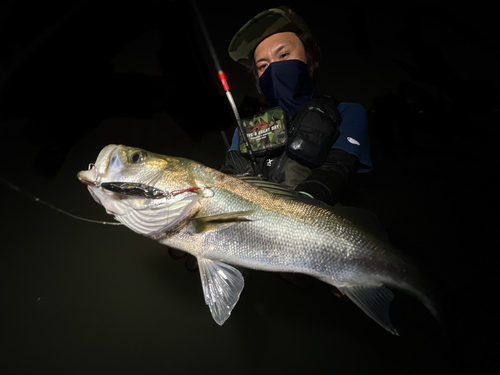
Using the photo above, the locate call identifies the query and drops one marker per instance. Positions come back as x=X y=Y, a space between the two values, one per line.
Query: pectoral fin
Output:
x=374 y=301
x=217 y=222
x=222 y=285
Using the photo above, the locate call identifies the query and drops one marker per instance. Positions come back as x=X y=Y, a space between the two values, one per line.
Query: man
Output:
x=281 y=52
x=284 y=58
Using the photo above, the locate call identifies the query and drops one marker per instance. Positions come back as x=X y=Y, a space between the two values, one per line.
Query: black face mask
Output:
x=287 y=84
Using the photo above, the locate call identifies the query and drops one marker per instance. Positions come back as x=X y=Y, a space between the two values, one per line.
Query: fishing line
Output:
x=36 y=199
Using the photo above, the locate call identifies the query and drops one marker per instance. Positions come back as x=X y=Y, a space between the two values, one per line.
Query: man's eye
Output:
x=284 y=55
x=261 y=67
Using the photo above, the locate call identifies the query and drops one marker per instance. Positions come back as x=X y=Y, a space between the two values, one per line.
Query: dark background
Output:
x=85 y=298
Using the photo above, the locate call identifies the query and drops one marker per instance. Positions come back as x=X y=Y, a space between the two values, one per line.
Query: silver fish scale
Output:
x=271 y=241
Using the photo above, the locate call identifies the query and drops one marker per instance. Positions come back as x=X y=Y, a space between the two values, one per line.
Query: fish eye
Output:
x=137 y=157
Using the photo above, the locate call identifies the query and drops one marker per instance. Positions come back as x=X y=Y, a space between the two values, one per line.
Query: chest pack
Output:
x=307 y=139
x=314 y=131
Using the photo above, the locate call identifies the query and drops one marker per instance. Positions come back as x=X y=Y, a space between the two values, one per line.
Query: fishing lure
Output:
x=150 y=192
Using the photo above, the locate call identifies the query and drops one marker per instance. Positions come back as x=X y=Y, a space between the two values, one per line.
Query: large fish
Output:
x=227 y=222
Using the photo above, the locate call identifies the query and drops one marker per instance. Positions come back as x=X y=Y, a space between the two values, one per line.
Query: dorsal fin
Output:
x=270 y=187
x=359 y=216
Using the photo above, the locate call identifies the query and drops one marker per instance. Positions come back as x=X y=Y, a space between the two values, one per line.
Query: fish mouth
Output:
x=87 y=177
x=91 y=179
x=92 y=176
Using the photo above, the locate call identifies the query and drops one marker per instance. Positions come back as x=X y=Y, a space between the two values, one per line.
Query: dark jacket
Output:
x=327 y=183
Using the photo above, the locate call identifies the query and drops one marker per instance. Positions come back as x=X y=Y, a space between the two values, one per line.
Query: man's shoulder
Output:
x=351 y=107
x=352 y=112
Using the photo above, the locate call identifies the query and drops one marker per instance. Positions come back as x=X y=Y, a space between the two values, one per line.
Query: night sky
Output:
x=85 y=298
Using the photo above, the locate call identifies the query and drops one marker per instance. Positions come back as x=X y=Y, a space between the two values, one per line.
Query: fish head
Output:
x=118 y=163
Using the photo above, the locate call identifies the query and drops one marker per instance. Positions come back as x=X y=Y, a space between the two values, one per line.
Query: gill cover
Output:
x=151 y=217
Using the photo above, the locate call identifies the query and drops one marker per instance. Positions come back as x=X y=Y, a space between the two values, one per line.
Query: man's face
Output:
x=278 y=47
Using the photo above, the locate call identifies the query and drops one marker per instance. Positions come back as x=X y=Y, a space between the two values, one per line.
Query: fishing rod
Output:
x=225 y=85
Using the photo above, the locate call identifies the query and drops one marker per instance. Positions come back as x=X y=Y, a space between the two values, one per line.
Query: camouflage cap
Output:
x=269 y=22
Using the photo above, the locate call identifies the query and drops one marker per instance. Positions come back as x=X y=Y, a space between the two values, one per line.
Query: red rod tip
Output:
x=222 y=77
